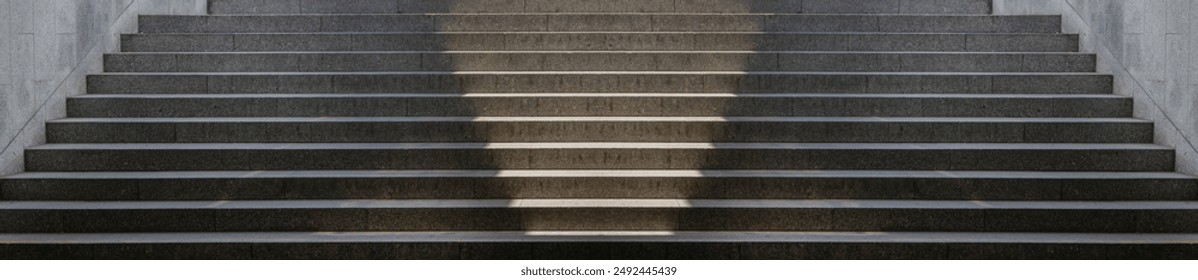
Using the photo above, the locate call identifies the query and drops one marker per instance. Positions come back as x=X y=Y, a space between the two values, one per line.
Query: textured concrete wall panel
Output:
x=47 y=47
x=1150 y=47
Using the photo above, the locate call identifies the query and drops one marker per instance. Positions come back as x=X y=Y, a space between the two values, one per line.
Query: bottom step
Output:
x=599 y=245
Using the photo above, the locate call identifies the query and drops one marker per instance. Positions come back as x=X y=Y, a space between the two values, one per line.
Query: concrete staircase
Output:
x=544 y=129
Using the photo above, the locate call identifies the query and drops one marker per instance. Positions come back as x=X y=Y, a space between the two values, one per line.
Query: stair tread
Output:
x=599 y=236
x=600 y=203
x=606 y=145
x=630 y=95
x=603 y=52
x=605 y=73
x=594 y=21
x=605 y=13
x=639 y=173
x=604 y=32
x=688 y=119
x=608 y=13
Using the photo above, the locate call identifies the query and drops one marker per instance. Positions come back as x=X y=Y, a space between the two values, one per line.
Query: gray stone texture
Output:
x=660 y=215
x=599 y=82
x=1149 y=47
x=931 y=247
x=526 y=105
x=598 y=61
x=600 y=6
x=599 y=22
x=653 y=184
x=522 y=156
x=759 y=129
x=600 y=41
x=47 y=47
x=616 y=129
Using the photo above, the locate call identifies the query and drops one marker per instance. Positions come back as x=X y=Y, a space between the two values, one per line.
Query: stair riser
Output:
x=599 y=22
x=600 y=82
x=534 y=219
x=371 y=159
x=599 y=42
x=598 y=187
x=601 y=251
x=888 y=62
x=600 y=6
x=600 y=106
x=599 y=131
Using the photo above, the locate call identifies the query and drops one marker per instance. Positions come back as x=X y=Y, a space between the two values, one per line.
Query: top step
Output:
x=598 y=6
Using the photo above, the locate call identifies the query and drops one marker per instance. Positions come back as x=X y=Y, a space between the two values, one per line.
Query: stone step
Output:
x=599 y=215
x=599 y=61
x=600 y=41
x=599 y=22
x=599 y=245
x=599 y=129
x=600 y=82
x=790 y=156
x=631 y=104
x=607 y=184
x=597 y=6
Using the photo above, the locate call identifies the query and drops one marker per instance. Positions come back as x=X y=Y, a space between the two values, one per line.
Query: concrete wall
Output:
x=1151 y=46
x=47 y=48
